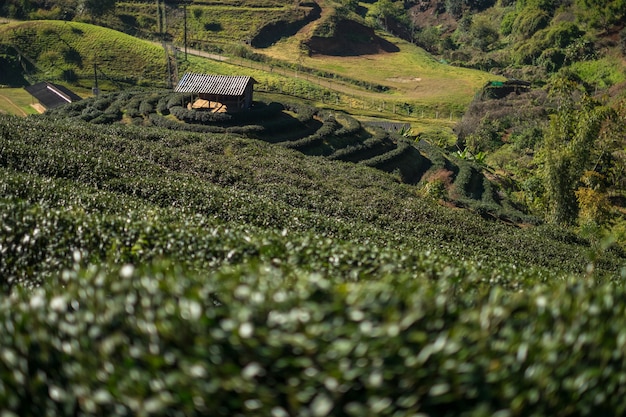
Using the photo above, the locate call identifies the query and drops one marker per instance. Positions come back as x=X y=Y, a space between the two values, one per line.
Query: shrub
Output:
x=198 y=116
x=436 y=184
x=378 y=160
x=349 y=126
x=158 y=340
x=529 y=22
x=328 y=128
x=507 y=24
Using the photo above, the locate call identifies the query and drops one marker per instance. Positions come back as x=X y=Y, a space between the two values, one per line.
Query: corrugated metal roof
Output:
x=52 y=95
x=224 y=85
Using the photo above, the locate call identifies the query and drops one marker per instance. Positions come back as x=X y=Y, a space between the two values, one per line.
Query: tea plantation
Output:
x=295 y=125
x=225 y=271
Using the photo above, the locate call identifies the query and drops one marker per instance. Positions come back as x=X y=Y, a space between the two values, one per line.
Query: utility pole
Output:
x=185 y=35
x=95 y=90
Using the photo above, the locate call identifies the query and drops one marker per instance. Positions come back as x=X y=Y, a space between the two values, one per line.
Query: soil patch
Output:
x=284 y=28
x=432 y=14
x=353 y=39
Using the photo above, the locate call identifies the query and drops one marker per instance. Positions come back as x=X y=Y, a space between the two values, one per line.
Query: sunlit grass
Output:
x=77 y=46
x=412 y=73
x=16 y=101
x=602 y=73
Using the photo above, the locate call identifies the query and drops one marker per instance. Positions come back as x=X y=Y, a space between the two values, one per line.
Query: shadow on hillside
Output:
x=350 y=39
x=275 y=31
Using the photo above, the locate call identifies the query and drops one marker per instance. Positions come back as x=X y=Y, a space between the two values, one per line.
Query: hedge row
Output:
x=304 y=112
x=349 y=125
x=329 y=127
x=401 y=148
x=198 y=117
x=354 y=153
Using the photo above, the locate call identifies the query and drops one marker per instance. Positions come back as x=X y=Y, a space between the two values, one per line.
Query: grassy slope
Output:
x=77 y=46
x=16 y=101
x=434 y=90
x=413 y=75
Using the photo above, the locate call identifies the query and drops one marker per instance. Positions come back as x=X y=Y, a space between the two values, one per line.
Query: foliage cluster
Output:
x=537 y=37
x=58 y=10
x=169 y=178
x=160 y=272
x=263 y=340
x=553 y=143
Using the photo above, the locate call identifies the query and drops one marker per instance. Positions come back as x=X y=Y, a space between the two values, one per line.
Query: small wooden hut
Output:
x=216 y=92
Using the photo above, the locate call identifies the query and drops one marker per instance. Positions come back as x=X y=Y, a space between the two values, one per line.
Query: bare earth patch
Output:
x=403 y=79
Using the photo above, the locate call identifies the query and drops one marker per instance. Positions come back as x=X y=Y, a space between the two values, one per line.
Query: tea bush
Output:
x=253 y=184
x=329 y=127
x=293 y=124
x=159 y=273
x=378 y=160
x=260 y=339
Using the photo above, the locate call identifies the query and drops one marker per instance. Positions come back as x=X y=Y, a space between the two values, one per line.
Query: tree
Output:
x=603 y=13
x=567 y=148
x=383 y=10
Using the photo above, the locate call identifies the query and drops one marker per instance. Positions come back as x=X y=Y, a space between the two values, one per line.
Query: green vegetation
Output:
x=258 y=340
x=297 y=259
x=295 y=125
x=15 y=101
x=184 y=272
x=68 y=51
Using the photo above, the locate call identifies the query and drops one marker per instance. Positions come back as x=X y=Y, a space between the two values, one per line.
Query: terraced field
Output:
x=161 y=272
x=311 y=131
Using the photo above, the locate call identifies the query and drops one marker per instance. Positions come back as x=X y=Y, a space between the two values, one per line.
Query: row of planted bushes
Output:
x=150 y=109
x=373 y=145
x=262 y=340
x=329 y=127
x=256 y=184
x=401 y=148
x=200 y=117
x=46 y=222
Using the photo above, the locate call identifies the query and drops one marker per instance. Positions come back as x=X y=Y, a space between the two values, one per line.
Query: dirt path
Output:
x=305 y=32
x=19 y=109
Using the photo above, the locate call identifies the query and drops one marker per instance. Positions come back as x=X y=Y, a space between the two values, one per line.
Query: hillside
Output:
x=68 y=51
x=304 y=258
x=229 y=268
x=407 y=77
x=303 y=50
x=329 y=134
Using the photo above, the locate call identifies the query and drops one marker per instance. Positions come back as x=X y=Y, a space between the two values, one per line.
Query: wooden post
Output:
x=185 y=27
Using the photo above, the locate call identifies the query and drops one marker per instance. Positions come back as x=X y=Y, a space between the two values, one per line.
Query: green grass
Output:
x=76 y=46
x=602 y=73
x=16 y=101
x=414 y=75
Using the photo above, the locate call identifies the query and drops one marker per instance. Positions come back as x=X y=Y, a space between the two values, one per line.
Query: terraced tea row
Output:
x=330 y=134
x=94 y=175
